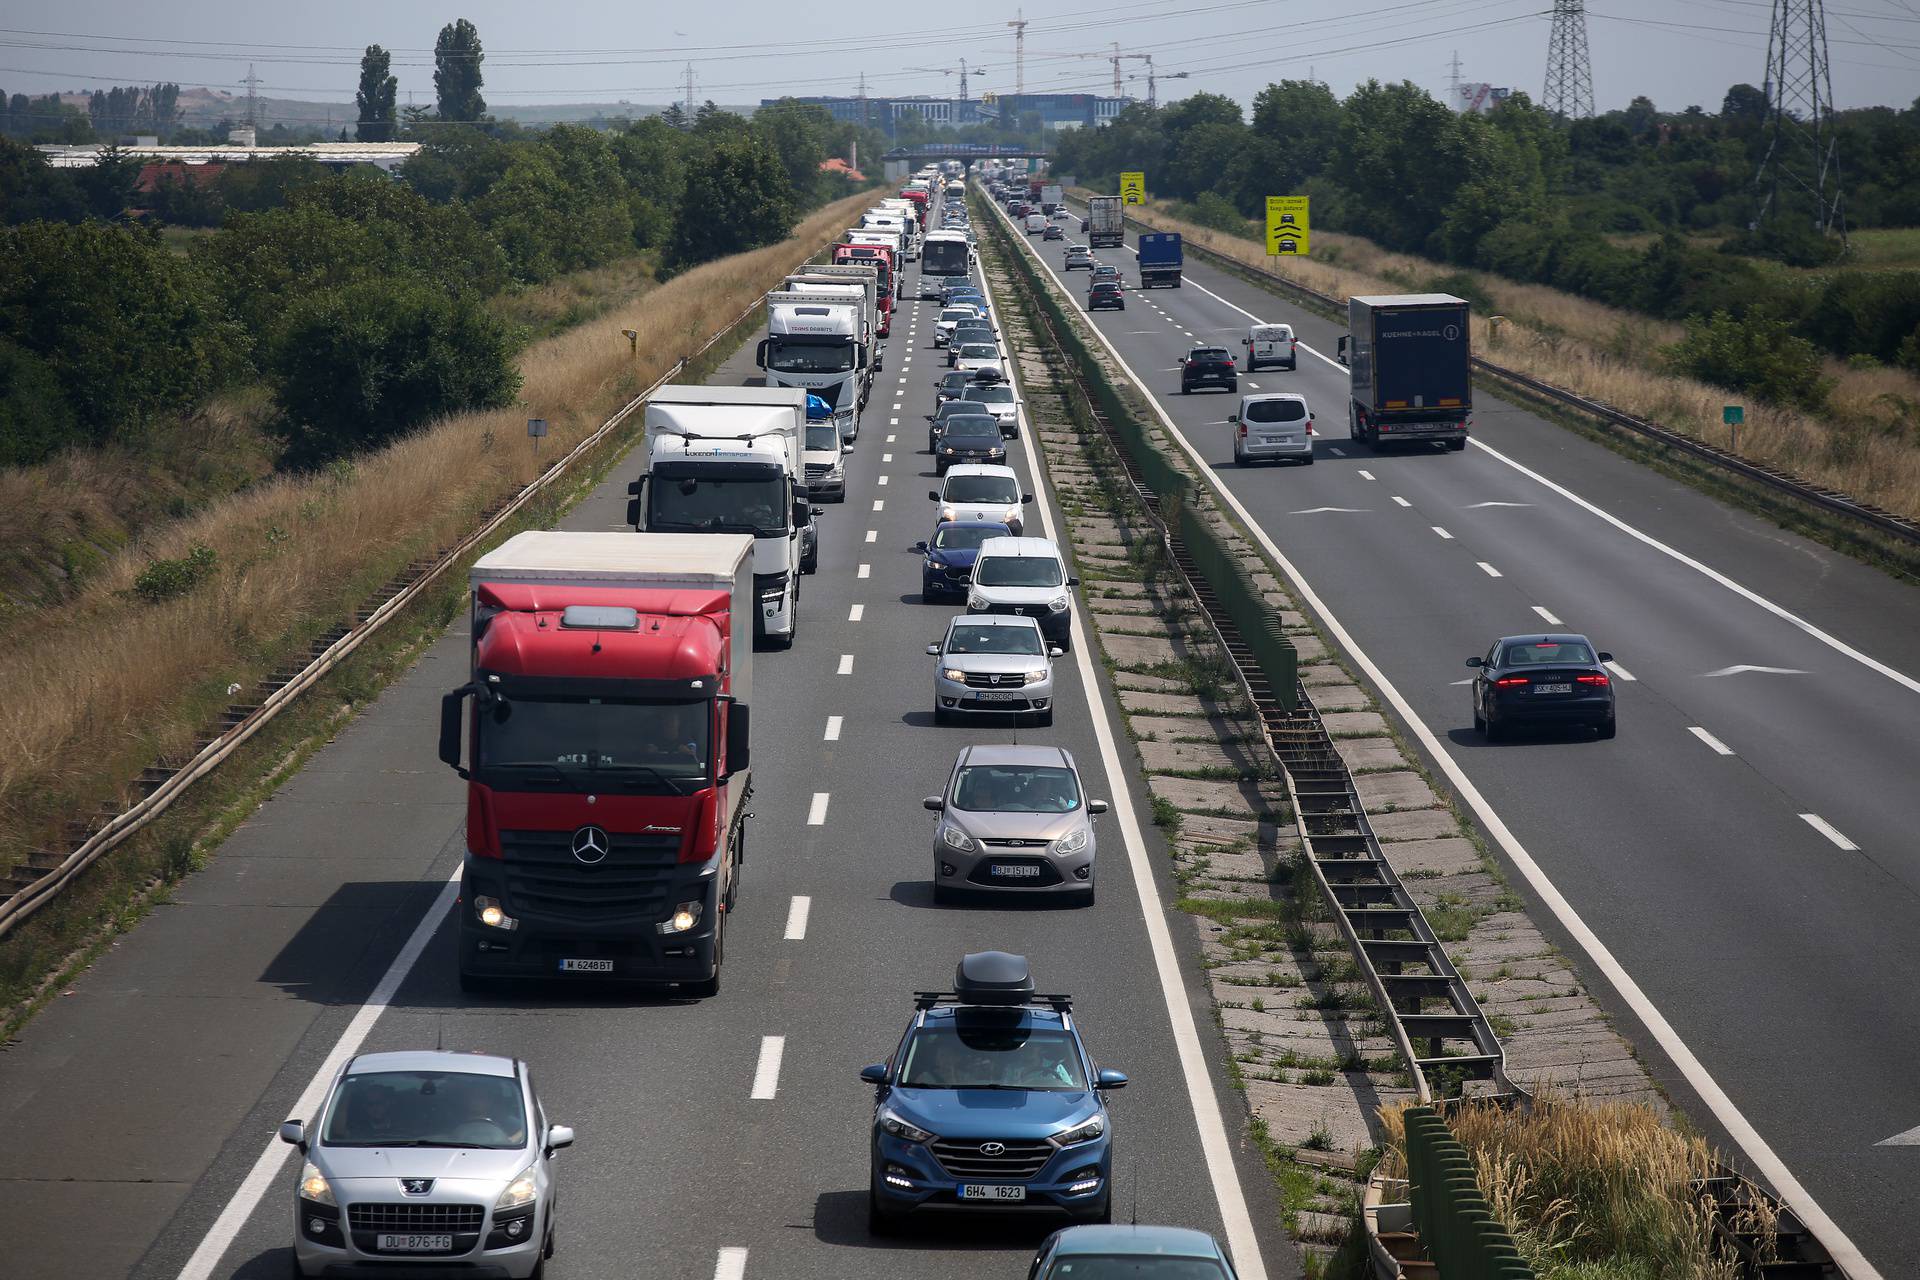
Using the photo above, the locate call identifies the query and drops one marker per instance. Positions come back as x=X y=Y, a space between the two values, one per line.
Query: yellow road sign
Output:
x=1287 y=226
x=1133 y=188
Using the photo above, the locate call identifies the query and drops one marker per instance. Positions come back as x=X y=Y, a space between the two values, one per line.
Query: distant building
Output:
x=1057 y=110
x=336 y=155
x=834 y=164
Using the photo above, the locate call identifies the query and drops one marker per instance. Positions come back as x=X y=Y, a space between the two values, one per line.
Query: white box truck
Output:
x=815 y=342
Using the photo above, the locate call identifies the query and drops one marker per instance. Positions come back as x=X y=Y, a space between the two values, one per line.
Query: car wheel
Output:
x=1309 y=460
x=927 y=597
x=1239 y=458
x=1185 y=390
x=1494 y=730
x=1234 y=385
x=1606 y=727
x=546 y=1250
x=1479 y=721
x=1456 y=446
x=880 y=1222
x=1084 y=900
x=293 y=1267
x=1103 y=1216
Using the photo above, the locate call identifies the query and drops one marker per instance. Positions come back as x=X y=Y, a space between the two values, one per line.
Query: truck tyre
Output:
x=1456 y=446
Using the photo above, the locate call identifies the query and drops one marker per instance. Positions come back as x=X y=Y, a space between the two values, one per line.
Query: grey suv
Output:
x=1014 y=819
x=434 y=1158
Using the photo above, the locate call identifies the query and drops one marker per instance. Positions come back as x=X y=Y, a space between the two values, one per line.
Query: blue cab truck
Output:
x=1409 y=359
x=1160 y=258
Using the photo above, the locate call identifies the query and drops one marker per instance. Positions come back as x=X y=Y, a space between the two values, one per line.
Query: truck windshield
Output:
x=944 y=258
x=652 y=746
x=788 y=356
x=707 y=504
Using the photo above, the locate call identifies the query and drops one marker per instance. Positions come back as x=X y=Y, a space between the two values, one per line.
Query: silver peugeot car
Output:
x=993 y=663
x=438 y=1159
x=1014 y=819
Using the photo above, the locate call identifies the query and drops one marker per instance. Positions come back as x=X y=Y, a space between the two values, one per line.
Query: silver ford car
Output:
x=1014 y=818
x=430 y=1159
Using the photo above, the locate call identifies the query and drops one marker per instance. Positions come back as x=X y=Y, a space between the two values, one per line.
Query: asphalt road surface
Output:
x=1746 y=847
x=137 y=1114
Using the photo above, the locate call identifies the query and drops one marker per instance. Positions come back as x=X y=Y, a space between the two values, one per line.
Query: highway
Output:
x=1745 y=848
x=726 y=1138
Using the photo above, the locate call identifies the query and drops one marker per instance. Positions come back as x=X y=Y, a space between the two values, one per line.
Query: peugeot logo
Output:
x=993 y=1148
x=416 y=1186
x=590 y=846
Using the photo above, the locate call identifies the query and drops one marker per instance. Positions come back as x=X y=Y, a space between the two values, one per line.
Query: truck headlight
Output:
x=1058 y=604
x=684 y=917
x=955 y=838
x=1081 y=1133
x=490 y=913
x=1072 y=842
x=518 y=1195
x=314 y=1186
x=893 y=1124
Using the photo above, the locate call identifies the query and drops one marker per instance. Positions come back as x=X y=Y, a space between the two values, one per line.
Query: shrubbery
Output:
x=1757 y=354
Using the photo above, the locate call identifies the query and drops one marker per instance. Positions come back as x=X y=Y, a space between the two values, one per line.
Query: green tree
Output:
x=1301 y=119
x=360 y=366
x=1759 y=355
x=35 y=419
x=377 y=96
x=798 y=133
x=736 y=197
x=31 y=190
x=652 y=164
x=456 y=73
x=1402 y=153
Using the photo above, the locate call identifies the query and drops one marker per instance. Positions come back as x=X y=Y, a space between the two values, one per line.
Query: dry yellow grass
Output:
x=99 y=685
x=1863 y=446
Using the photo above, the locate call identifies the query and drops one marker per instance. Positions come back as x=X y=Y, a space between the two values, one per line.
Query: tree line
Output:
x=1521 y=193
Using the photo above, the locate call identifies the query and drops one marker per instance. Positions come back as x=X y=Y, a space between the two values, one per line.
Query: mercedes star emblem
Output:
x=590 y=846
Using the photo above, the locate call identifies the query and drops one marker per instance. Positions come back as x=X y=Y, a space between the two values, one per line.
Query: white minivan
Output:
x=1270 y=346
x=1275 y=424
x=1036 y=223
x=1028 y=577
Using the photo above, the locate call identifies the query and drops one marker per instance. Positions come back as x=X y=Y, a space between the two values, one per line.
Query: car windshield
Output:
x=426 y=1109
x=1018 y=571
x=1275 y=411
x=972 y=334
x=706 y=504
x=1090 y=1266
x=953 y=315
x=991 y=1050
x=1208 y=353
x=970 y=427
x=974 y=637
x=962 y=538
x=656 y=746
x=1016 y=788
x=990 y=395
x=978 y=351
x=822 y=435
x=1003 y=490
x=1546 y=653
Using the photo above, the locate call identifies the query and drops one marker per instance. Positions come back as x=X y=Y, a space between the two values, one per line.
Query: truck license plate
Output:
x=1016 y=871
x=1553 y=688
x=976 y=1191
x=586 y=966
x=416 y=1244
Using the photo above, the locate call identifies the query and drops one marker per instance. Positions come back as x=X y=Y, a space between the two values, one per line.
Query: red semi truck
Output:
x=919 y=197
x=607 y=756
x=889 y=283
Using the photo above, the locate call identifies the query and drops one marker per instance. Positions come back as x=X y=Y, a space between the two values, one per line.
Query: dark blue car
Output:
x=990 y=1105
x=948 y=567
x=1130 y=1253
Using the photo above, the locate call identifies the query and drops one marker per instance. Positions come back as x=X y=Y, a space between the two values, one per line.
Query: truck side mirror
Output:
x=1340 y=351
x=634 y=489
x=739 y=755
x=760 y=354
x=451 y=722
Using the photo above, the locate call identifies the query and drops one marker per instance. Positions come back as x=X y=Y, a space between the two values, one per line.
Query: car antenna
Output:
x=440 y=1033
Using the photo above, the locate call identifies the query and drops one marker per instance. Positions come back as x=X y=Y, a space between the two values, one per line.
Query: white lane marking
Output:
x=846 y=665
x=833 y=729
x=1828 y=830
x=1475 y=506
x=273 y=1157
x=1622 y=673
x=1765 y=671
x=732 y=1264
x=866 y=570
x=1338 y=453
x=1767 y=1162
x=1488 y=569
x=1256 y=386
x=1401 y=501
x=890 y=439
x=1208 y=1118
x=1548 y=615
x=797 y=917
x=1366 y=475
x=903 y=380
x=1314 y=511
x=1911 y=1138
x=886 y=457
x=1719 y=748
x=817 y=811
x=893 y=422
x=873 y=535
x=879 y=504
x=857 y=612
x=882 y=480
x=1443 y=533
x=766 y=1075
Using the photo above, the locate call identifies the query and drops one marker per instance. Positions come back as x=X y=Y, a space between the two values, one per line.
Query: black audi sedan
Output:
x=1542 y=679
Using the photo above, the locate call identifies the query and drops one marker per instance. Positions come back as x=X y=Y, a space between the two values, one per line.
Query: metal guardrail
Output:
x=42 y=877
x=1799 y=488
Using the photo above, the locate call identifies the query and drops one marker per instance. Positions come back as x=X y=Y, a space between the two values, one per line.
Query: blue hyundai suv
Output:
x=990 y=1104
x=950 y=553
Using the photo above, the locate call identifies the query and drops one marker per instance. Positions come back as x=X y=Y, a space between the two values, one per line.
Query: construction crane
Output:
x=1153 y=91
x=1114 y=57
x=963 y=71
x=1019 y=25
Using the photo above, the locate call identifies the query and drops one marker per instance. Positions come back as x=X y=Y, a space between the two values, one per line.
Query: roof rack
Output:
x=989 y=979
x=924 y=1000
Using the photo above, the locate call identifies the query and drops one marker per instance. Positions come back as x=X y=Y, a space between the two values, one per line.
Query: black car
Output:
x=1106 y=294
x=974 y=333
x=950 y=386
x=1208 y=367
x=1053 y=232
x=1542 y=679
x=948 y=409
x=969 y=437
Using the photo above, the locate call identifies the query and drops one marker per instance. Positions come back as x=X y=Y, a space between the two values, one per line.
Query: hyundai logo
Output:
x=590 y=846
x=993 y=1148
x=416 y=1186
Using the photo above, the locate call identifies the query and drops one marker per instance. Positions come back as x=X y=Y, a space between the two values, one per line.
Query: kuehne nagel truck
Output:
x=1409 y=359
x=1161 y=257
x=1104 y=222
x=607 y=757
x=814 y=343
x=727 y=460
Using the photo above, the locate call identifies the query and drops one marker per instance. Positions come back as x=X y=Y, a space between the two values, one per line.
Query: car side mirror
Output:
x=875 y=1074
x=452 y=720
x=739 y=753
x=934 y=494
x=1055 y=651
x=1233 y=417
x=1096 y=807
x=1073 y=582
x=1476 y=662
x=1025 y=498
x=1110 y=1080
x=921 y=547
x=934 y=803
x=845 y=447
x=1605 y=656
x=559 y=1137
x=933 y=651
x=294 y=1134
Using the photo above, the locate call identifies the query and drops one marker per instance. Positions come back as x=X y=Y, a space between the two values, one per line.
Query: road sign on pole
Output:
x=1287 y=226
x=1133 y=188
x=1733 y=415
x=536 y=427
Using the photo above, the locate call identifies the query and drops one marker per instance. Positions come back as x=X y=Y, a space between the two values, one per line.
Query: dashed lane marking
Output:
x=817 y=811
x=1401 y=501
x=856 y=612
x=797 y=917
x=1718 y=747
x=1828 y=830
x=1547 y=614
x=846 y=665
x=832 y=733
x=1488 y=569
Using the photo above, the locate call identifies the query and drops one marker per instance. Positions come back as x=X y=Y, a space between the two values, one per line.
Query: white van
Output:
x=1036 y=223
x=1028 y=577
x=1276 y=425
x=1270 y=346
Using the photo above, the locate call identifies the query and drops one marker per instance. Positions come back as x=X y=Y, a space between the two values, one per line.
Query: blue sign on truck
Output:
x=1412 y=380
x=1160 y=258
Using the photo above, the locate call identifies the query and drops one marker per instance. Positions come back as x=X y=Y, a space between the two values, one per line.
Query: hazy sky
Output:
x=1677 y=52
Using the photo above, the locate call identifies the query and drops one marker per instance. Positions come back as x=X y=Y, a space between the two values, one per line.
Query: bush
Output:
x=1797 y=246
x=1759 y=355
x=1210 y=209
x=166 y=579
x=358 y=366
x=35 y=419
x=1866 y=313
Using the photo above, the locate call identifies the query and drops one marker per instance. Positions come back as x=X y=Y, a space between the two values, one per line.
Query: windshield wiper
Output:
x=667 y=780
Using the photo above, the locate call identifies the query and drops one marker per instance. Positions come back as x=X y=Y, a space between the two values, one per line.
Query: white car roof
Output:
x=992 y=619
x=983 y=469
x=453 y=1060
x=1010 y=546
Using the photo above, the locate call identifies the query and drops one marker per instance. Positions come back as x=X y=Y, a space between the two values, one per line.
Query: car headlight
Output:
x=1072 y=842
x=1038 y=674
x=1081 y=1133
x=949 y=513
x=518 y=1195
x=492 y=914
x=946 y=448
x=977 y=602
x=900 y=1129
x=1058 y=604
x=955 y=838
x=954 y=674
x=1013 y=513
x=314 y=1186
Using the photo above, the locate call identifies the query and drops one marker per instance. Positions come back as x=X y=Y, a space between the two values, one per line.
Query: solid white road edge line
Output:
x=766 y=1075
x=1830 y=831
x=797 y=917
x=1766 y=1162
x=273 y=1157
x=1209 y=1120
x=1718 y=747
x=732 y=1264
